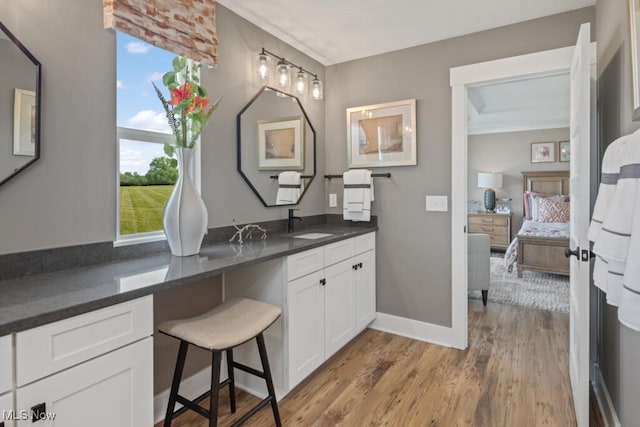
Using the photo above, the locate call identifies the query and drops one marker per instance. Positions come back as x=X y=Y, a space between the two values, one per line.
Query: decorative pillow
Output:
x=553 y=210
x=531 y=203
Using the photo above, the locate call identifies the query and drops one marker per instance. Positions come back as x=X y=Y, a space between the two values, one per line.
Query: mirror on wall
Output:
x=19 y=106
x=276 y=147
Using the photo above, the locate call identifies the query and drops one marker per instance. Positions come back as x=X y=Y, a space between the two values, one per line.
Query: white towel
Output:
x=604 y=270
x=358 y=195
x=615 y=229
x=289 y=188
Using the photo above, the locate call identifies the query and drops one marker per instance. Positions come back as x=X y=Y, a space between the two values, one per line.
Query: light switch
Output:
x=437 y=203
x=333 y=200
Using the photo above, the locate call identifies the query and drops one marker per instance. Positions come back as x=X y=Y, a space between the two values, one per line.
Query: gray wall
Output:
x=617 y=345
x=414 y=246
x=68 y=197
x=510 y=154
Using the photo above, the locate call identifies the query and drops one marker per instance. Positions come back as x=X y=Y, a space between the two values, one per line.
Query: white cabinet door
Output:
x=365 y=284
x=6 y=364
x=112 y=390
x=305 y=300
x=339 y=297
x=6 y=410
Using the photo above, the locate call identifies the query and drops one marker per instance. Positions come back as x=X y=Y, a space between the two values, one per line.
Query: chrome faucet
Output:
x=291 y=220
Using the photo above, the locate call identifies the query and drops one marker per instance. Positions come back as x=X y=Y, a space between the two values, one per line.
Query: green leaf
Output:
x=179 y=63
x=202 y=92
x=174 y=163
x=169 y=79
x=195 y=78
x=169 y=149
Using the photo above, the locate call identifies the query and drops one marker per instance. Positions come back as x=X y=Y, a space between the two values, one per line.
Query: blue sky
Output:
x=138 y=64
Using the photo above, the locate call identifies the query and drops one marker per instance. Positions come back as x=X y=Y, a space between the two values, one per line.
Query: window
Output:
x=145 y=173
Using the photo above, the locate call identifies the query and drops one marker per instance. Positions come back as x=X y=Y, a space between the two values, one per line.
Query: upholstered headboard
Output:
x=548 y=182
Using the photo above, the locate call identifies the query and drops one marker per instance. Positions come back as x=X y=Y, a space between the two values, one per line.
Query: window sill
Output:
x=138 y=238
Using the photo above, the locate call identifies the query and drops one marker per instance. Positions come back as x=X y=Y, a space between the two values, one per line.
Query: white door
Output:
x=579 y=191
x=306 y=326
x=365 y=284
x=112 y=390
x=339 y=307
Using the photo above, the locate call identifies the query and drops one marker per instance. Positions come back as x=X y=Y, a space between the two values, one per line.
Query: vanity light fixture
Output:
x=316 y=89
x=300 y=85
x=264 y=66
x=282 y=77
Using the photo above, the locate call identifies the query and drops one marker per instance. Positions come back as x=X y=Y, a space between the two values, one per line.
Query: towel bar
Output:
x=302 y=176
x=373 y=175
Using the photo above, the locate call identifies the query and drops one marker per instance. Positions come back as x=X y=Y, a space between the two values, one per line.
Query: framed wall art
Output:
x=543 y=152
x=564 y=151
x=281 y=144
x=382 y=135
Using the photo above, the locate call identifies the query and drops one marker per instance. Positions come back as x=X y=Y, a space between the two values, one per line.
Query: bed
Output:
x=540 y=246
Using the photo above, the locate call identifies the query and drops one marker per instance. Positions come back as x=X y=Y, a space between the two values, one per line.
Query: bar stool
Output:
x=230 y=324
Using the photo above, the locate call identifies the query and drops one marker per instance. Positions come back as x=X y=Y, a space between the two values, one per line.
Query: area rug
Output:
x=542 y=291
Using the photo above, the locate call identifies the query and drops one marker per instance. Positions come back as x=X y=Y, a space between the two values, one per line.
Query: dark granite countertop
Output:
x=44 y=298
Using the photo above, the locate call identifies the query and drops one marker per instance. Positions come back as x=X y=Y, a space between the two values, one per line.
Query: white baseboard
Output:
x=607 y=410
x=415 y=329
x=190 y=388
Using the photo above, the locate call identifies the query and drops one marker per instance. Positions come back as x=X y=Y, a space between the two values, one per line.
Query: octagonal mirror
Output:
x=19 y=106
x=276 y=147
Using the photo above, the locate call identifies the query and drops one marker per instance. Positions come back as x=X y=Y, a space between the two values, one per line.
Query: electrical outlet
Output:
x=333 y=200
x=437 y=203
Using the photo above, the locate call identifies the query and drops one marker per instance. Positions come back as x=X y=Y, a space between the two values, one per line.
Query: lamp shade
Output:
x=489 y=180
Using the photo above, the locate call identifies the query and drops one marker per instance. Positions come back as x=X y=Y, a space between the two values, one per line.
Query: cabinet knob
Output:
x=38 y=412
x=323 y=282
x=360 y=265
x=355 y=266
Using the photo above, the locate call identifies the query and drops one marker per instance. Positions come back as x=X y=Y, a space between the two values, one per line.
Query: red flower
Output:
x=179 y=94
x=201 y=101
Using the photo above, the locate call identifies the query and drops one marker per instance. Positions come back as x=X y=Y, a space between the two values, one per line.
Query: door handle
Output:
x=568 y=253
x=323 y=282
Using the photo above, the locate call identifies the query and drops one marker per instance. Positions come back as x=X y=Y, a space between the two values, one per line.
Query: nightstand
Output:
x=497 y=226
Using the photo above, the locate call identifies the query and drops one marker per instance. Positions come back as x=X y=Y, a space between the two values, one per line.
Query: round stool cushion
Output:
x=230 y=324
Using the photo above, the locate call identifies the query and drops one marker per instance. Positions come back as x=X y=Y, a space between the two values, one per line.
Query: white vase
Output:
x=185 y=216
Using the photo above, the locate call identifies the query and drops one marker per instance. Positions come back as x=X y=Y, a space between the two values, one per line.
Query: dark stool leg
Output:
x=177 y=376
x=232 y=382
x=485 y=295
x=267 y=376
x=215 y=388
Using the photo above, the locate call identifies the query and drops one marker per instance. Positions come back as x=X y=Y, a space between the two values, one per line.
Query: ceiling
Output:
x=537 y=103
x=334 y=31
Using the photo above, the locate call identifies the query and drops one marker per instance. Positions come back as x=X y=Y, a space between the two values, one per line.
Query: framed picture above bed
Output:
x=543 y=152
x=564 y=150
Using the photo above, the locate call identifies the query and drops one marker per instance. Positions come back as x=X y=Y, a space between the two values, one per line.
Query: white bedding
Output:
x=537 y=229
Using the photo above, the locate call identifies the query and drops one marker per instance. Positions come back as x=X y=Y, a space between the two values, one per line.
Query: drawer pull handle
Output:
x=487 y=229
x=323 y=282
x=38 y=412
x=487 y=221
x=355 y=266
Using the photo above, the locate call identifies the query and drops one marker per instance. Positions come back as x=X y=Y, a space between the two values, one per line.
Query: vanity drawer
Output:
x=488 y=220
x=6 y=377
x=56 y=346
x=365 y=243
x=303 y=263
x=339 y=251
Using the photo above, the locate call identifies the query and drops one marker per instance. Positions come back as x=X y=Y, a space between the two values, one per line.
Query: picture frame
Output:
x=24 y=123
x=634 y=30
x=281 y=143
x=543 y=152
x=382 y=135
x=564 y=151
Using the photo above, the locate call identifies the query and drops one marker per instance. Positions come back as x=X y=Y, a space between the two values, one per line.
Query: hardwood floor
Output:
x=514 y=373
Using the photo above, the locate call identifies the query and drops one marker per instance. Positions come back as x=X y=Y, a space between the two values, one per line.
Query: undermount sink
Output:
x=312 y=236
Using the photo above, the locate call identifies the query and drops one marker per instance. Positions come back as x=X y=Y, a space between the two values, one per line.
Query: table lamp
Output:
x=489 y=181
